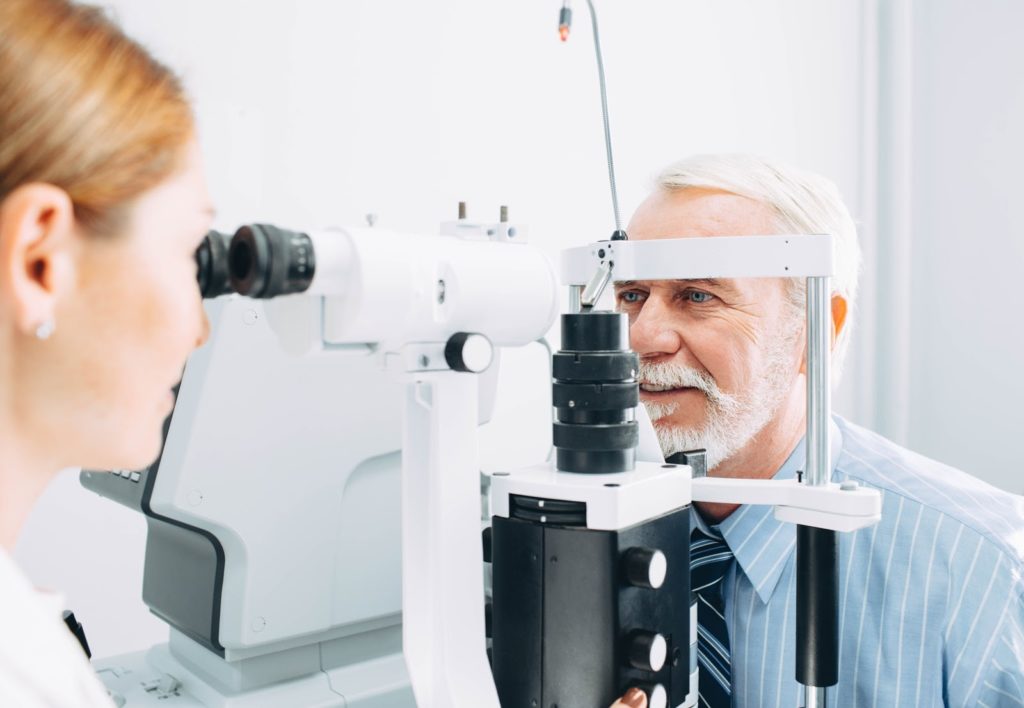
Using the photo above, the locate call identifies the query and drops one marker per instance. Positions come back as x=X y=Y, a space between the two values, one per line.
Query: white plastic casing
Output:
x=398 y=288
x=292 y=463
x=614 y=501
x=690 y=258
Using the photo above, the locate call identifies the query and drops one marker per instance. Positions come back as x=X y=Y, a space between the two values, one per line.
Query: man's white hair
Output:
x=803 y=203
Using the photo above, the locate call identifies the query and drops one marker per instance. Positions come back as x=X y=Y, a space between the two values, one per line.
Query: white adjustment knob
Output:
x=647 y=651
x=657 y=697
x=469 y=352
x=646 y=568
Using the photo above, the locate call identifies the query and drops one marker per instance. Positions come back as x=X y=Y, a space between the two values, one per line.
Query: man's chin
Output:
x=686 y=420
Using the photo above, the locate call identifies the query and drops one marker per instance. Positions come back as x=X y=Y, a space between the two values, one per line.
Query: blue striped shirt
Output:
x=931 y=598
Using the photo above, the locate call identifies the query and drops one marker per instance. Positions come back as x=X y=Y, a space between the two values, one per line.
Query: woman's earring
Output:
x=46 y=329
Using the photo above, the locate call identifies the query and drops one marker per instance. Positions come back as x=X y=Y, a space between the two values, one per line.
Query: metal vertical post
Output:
x=575 y=298
x=819 y=391
x=817 y=561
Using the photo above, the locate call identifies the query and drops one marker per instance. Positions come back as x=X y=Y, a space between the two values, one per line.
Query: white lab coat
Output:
x=41 y=663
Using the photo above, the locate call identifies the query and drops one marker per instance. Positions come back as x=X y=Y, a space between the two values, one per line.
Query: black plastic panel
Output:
x=580 y=618
x=519 y=627
x=182 y=580
x=563 y=611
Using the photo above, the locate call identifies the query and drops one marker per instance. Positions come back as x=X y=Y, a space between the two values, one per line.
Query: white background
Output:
x=966 y=347
x=319 y=112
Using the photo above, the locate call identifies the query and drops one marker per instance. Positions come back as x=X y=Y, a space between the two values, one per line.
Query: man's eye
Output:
x=630 y=296
x=698 y=296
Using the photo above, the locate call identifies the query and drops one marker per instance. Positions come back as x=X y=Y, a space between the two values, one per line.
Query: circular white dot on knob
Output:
x=657 y=570
x=469 y=352
x=646 y=567
x=477 y=353
x=657 y=697
x=658 y=653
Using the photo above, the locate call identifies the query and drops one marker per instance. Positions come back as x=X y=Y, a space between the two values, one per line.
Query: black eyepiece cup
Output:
x=212 y=265
x=265 y=261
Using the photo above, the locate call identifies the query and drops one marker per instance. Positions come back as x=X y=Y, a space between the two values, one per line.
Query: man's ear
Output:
x=37 y=243
x=840 y=309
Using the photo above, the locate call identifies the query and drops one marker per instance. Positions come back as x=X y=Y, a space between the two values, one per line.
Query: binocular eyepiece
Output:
x=259 y=260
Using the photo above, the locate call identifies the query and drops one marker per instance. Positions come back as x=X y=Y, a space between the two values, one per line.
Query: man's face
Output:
x=717 y=357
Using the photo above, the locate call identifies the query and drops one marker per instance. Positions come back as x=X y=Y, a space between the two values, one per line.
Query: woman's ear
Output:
x=37 y=253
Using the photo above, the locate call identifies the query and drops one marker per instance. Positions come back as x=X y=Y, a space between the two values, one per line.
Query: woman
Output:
x=102 y=205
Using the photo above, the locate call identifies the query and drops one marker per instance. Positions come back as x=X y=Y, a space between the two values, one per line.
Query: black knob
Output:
x=696 y=459
x=469 y=352
x=646 y=567
x=647 y=651
x=487 y=544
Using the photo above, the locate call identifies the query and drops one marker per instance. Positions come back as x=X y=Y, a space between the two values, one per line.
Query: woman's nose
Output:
x=204 y=328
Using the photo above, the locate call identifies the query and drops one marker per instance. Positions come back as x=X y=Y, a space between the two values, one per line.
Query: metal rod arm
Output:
x=817 y=567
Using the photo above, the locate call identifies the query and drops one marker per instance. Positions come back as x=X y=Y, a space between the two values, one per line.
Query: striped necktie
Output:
x=709 y=561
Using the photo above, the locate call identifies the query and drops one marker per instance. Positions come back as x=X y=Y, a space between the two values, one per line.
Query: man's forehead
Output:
x=676 y=213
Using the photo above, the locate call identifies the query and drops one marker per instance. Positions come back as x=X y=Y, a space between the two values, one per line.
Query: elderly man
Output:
x=931 y=598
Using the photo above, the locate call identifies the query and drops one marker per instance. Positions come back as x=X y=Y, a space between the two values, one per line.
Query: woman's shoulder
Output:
x=41 y=663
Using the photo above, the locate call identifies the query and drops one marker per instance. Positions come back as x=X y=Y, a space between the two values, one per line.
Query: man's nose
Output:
x=652 y=332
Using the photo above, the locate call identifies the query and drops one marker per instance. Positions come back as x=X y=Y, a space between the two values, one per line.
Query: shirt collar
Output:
x=761 y=543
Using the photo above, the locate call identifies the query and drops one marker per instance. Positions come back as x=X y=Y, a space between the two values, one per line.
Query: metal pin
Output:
x=592 y=293
x=462 y=210
x=504 y=214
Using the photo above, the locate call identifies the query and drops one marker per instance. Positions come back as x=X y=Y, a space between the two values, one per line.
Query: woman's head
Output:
x=102 y=204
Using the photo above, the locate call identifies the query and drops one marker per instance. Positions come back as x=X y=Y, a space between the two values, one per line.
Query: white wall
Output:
x=966 y=341
x=318 y=112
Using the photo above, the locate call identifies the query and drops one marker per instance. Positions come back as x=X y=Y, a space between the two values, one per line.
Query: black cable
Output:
x=565 y=17
x=604 y=115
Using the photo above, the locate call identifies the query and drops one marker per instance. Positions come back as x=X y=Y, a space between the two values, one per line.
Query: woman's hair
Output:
x=86 y=109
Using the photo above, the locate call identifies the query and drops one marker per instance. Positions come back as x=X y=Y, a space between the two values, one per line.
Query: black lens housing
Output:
x=595 y=392
x=265 y=261
x=212 y=265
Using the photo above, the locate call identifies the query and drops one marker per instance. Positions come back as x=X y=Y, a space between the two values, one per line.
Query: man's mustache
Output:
x=677 y=376
x=681 y=376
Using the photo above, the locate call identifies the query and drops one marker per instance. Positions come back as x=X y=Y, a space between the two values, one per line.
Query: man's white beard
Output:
x=732 y=419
